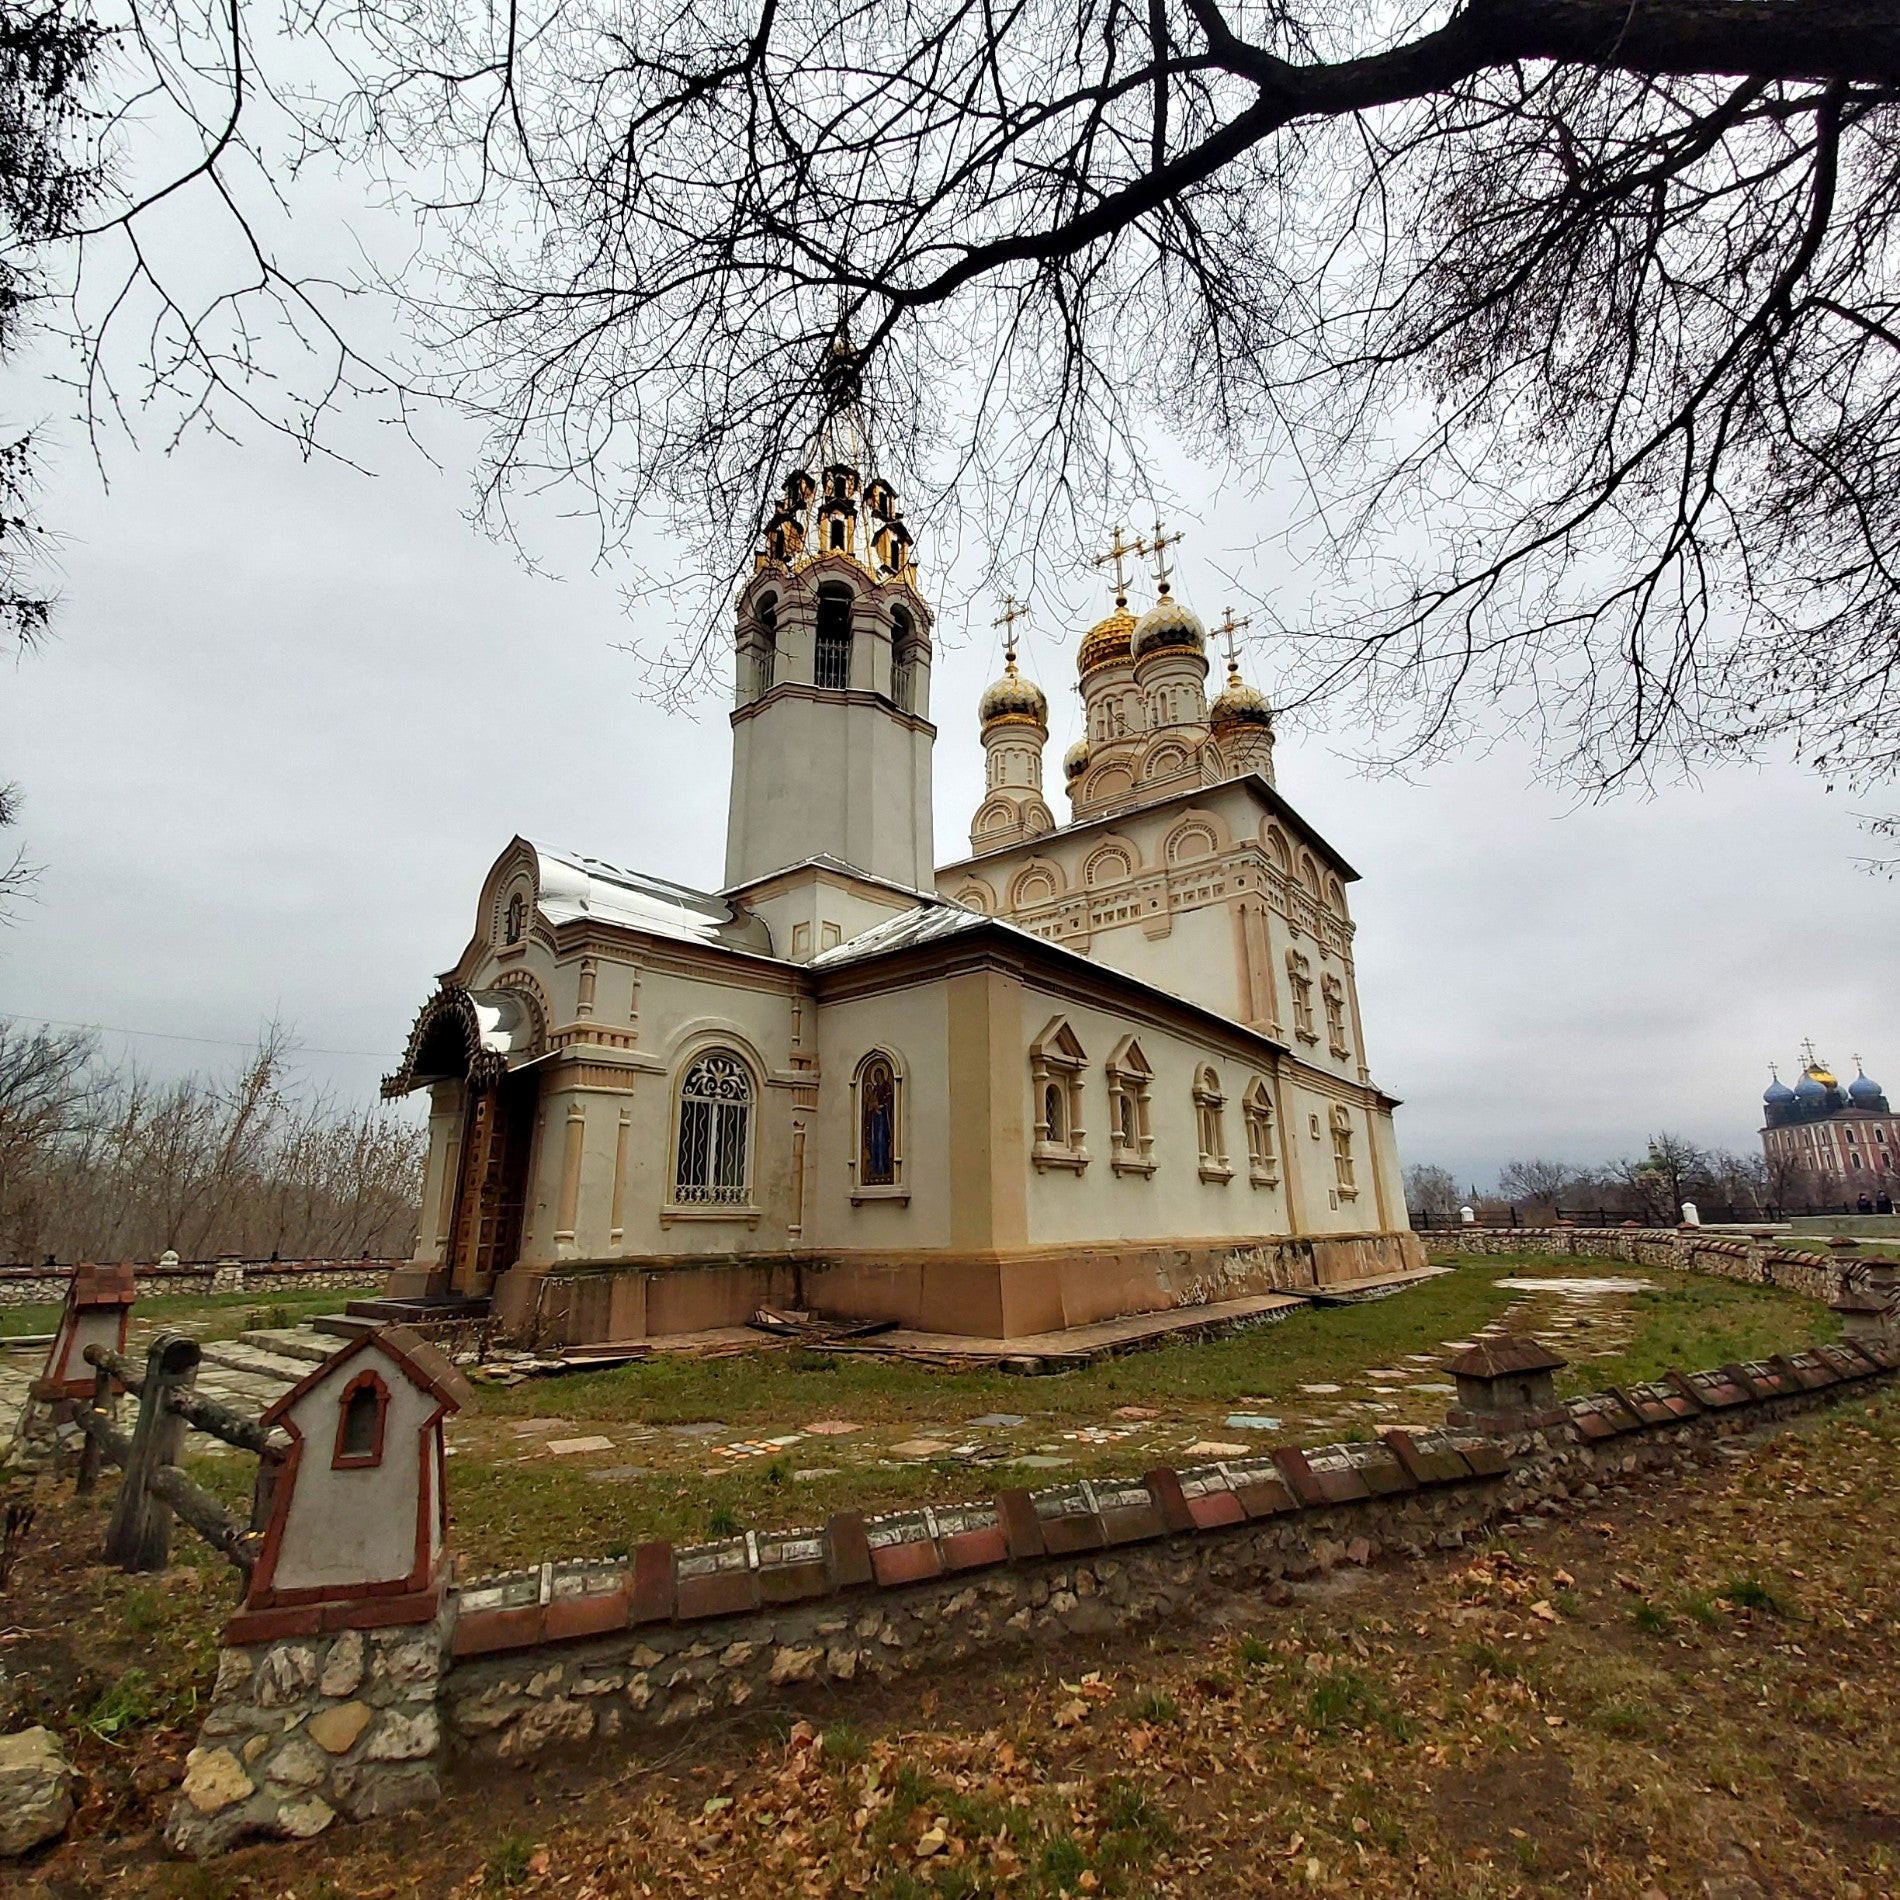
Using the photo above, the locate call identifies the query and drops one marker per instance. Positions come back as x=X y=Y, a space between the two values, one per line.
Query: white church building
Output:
x=1092 y=1068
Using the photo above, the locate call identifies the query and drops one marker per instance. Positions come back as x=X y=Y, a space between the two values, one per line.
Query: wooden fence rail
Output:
x=154 y=1490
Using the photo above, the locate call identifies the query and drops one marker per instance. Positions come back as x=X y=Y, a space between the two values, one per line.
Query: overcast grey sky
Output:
x=291 y=714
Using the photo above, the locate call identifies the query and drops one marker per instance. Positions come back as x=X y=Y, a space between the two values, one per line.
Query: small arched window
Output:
x=515 y=924
x=715 y=1139
x=833 y=659
x=1343 y=1171
x=1208 y=1102
x=361 y=1418
x=1263 y=1166
x=1054 y=1111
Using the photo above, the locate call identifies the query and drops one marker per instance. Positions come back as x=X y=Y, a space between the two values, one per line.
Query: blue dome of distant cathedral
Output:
x=1777 y=1093
x=1863 y=1090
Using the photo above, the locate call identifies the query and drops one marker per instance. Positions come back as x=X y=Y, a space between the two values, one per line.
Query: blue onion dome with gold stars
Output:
x=1110 y=642
x=1169 y=624
x=1075 y=761
x=1238 y=704
x=1013 y=700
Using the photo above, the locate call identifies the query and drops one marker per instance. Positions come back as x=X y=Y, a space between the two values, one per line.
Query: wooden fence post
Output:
x=140 y=1536
x=92 y=1452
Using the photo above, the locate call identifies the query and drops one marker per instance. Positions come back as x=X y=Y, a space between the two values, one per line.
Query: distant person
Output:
x=1865 y=1205
x=1884 y=1205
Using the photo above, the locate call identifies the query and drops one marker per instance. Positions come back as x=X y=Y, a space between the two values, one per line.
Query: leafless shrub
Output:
x=102 y=1162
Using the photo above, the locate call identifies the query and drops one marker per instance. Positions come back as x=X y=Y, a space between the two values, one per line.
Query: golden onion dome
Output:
x=1075 y=761
x=1013 y=700
x=1107 y=643
x=1239 y=704
x=1169 y=623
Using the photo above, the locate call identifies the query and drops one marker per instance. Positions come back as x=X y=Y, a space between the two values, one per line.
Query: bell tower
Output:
x=831 y=732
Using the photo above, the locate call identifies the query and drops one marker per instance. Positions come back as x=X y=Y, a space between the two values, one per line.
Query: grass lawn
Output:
x=514 y=1502
x=207 y=1316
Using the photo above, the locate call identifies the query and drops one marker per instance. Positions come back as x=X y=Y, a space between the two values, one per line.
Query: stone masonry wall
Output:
x=305 y=1729
x=1687 y=1250
x=38 y=1286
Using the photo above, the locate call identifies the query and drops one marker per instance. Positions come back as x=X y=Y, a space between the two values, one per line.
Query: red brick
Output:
x=1063 y=1536
x=1381 y=1471
x=1021 y=1526
x=1132 y=1524
x=652 y=1600
x=480 y=1632
x=381 y=1613
x=1679 y=1383
x=1164 y=1486
x=973 y=1550
x=1266 y=1497
x=794 y=1583
x=1341 y=1485
x=1214 y=1509
x=848 y=1552
x=270 y=1626
x=899 y=1564
x=1298 y=1474
x=718 y=1593
x=586 y=1615
x=1485 y=1460
x=1436 y=1464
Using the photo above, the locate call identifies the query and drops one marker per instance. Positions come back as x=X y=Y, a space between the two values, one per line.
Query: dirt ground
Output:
x=1678 y=1691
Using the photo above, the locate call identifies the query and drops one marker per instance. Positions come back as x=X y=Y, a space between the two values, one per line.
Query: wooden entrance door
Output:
x=491 y=1191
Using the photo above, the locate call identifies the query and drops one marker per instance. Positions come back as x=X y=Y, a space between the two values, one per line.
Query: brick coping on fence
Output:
x=313 y=1723
x=664 y=1583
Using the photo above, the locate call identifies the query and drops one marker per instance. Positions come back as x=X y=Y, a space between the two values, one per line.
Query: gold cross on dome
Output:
x=1807 y=1049
x=1118 y=552
x=1158 y=548
x=1230 y=628
x=1013 y=611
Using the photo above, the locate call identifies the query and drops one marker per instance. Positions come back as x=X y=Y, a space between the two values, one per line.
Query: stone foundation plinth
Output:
x=993 y=1296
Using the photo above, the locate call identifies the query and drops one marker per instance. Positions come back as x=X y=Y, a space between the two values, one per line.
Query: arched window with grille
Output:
x=765 y=653
x=903 y=660
x=833 y=658
x=715 y=1139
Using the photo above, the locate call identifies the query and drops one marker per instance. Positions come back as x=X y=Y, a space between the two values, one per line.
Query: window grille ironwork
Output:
x=715 y=1132
x=833 y=656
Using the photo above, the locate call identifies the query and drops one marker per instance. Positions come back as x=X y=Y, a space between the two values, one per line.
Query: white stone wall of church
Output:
x=828 y=774
x=1173 y=1203
x=1197 y=958
x=679 y=1016
x=817 y=902
x=913 y=1026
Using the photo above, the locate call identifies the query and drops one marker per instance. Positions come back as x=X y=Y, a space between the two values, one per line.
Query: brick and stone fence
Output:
x=1757 y=1259
x=336 y=1702
x=40 y=1286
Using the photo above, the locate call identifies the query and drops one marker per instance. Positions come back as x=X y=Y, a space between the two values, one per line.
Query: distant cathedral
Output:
x=1089 y=1069
x=1846 y=1136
